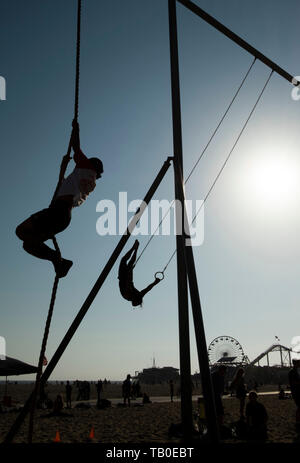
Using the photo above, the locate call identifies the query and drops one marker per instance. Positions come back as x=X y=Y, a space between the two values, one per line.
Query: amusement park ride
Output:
x=227 y=350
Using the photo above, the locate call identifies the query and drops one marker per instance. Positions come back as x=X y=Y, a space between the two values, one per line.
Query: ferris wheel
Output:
x=225 y=349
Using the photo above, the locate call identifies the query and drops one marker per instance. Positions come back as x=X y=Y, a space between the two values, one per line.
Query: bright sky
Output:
x=248 y=266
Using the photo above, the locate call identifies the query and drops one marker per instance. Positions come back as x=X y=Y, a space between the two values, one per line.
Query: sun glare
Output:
x=272 y=181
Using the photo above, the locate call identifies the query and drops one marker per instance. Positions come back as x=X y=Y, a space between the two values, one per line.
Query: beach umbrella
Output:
x=14 y=367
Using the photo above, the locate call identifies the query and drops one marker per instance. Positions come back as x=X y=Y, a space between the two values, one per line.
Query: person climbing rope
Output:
x=127 y=289
x=71 y=192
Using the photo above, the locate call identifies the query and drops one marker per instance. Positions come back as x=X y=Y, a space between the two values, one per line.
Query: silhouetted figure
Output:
x=257 y=417
x=133 y=390
x=58 y=405
x=87 y=390
x=238 y=385
x=127 y=289
x=81 y=390
x=146 y=399
x=171 y=389
x=281 y=394
x=138 y=388
x=294 y=380
x=99 y=387
x=68 y=395
x=217 y=378
x=72 y=192
x=126 y=390
x=42 y=400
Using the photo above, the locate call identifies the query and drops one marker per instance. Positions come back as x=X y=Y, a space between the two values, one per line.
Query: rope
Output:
x=226 y=160
x=201 y=154
x=41 y=358
x=56 y=279
x=222 y=119
x=77 y=60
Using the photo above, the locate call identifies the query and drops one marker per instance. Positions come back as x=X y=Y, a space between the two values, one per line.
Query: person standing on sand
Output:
x=238 y=385
x=99 y=387
x=217 y=378
x=171 y=389
x=58 y=405
x=126 y=390
x=138 y=388
x=68 y=395
x=294 y=380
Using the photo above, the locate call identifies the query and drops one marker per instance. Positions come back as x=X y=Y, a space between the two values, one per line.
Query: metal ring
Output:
x=159 y=273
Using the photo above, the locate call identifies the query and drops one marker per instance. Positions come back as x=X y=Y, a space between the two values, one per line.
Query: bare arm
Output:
x=146 y=290
x=63 y=167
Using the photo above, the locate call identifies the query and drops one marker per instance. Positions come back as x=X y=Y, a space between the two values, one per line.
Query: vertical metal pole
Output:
x=281 y=356
x=268 y=360
x=207 y=388
x=183 y=316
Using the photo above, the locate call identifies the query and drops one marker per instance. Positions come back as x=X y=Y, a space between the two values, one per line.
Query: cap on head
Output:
x=97 y=165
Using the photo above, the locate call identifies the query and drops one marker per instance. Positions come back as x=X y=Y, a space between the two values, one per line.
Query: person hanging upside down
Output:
x=71 y=192
x=127 y=289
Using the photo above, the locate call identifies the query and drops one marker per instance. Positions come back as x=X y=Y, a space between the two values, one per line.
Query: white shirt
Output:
x=80 y=183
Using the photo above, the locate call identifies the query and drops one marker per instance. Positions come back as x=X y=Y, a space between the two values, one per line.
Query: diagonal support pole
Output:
x=90 y=298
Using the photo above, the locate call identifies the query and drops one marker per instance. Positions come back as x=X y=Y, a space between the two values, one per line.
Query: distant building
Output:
x=156 y=375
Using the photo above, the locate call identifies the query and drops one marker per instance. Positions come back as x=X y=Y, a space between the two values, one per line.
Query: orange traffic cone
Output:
x=92 y=433
x=57 y=437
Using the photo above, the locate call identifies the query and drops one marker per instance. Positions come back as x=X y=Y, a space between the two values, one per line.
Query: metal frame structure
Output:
x=186 y=274
x=185 y=260
x=285 y=355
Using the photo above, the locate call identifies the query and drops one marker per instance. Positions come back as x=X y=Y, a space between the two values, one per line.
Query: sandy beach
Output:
x=136 y=424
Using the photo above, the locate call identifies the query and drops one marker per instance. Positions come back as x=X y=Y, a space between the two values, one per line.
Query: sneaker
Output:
x=62 y=267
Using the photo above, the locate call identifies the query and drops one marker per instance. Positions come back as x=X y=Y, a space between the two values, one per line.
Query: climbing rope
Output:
x=77 y=61
x=201 y=154
x=41 y=359
x=56 y=279
x=225 y=162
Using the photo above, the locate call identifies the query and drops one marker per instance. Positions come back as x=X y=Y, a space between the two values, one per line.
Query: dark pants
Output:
x=44 y=225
